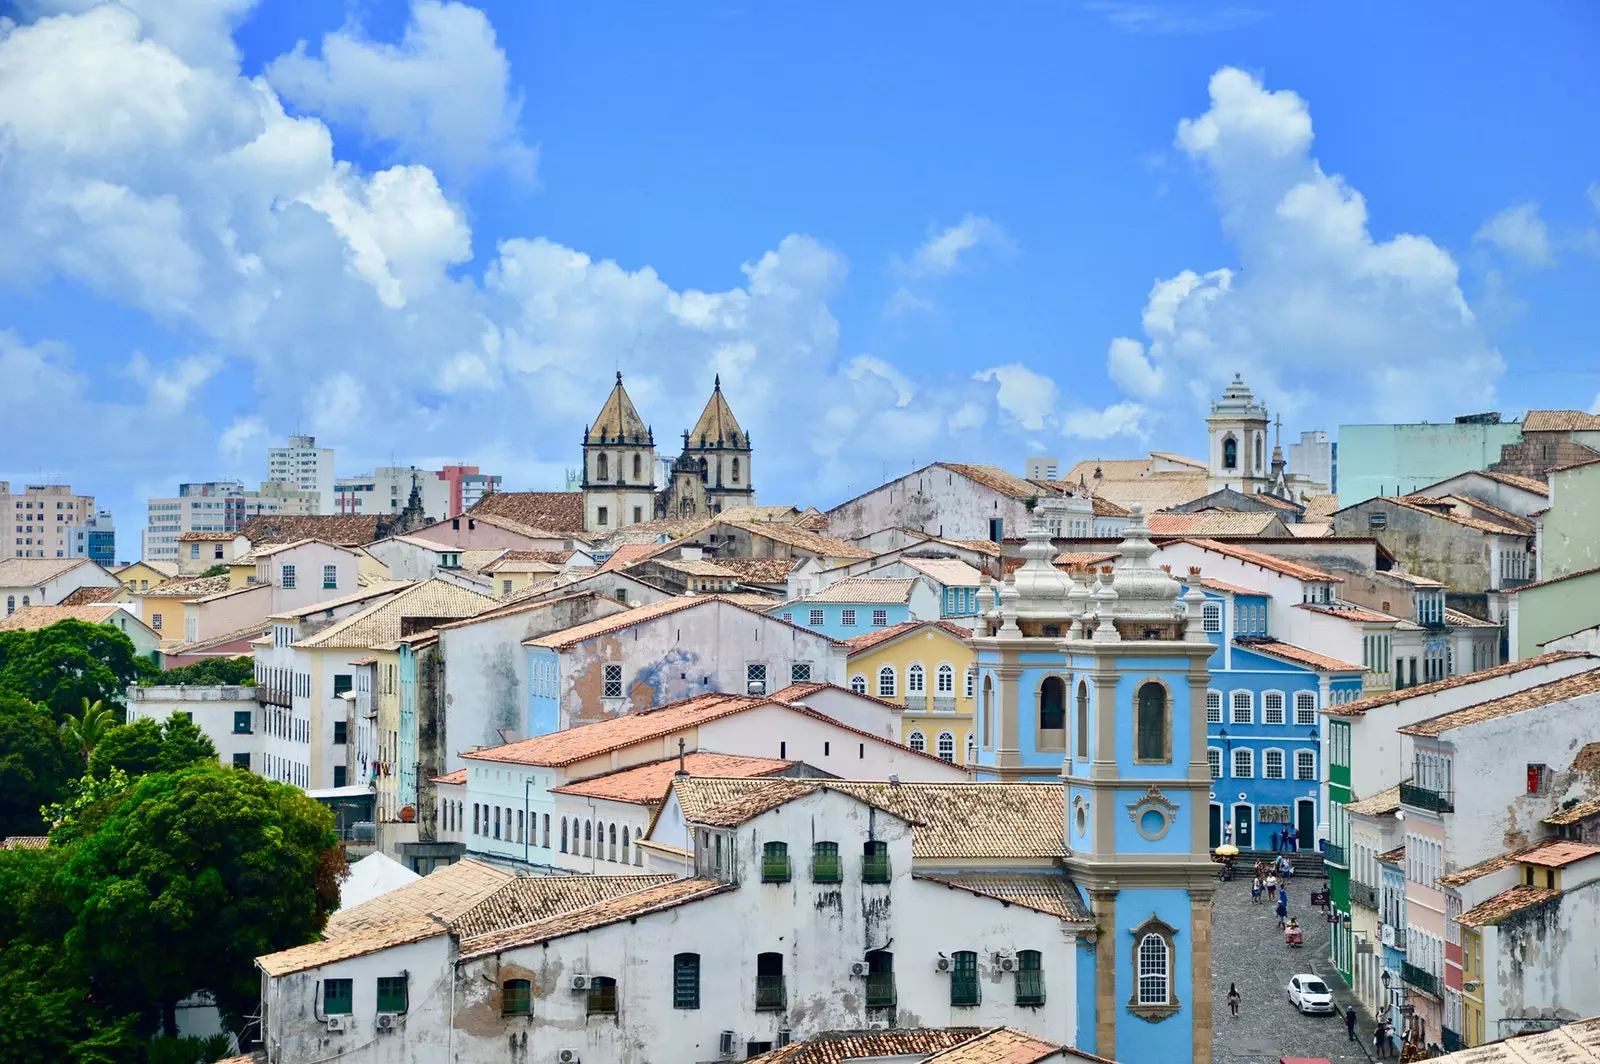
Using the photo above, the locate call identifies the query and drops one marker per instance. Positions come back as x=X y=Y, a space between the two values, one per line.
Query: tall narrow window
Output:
x=1243 y=707
x=602 y=467
x=330 y=577
x=1052 y=704
x=624 y=845
x=880 y=979
x=886 y=682
x=825 y=862
x=516 y=997
x=611 y=854
x=1211 y=617
x=914 y=680
x=588 y=838
x=1214 y=761
x=1083 y=719
x=964 y=978
x=769 y=982
x=735 y=471
x=917 y=742
x=602 y=996
x=1305 y=765
x=1213 y=707
x=286 y=574
x=1154 y=969
x=1272 y=764
x=1152 y=723
x=947 y=746
x=1230 y=453
x=686 y=981
x=875 y=862
x=1272 y=707
x=1030 y=977
x=637 y=468
x=775 y=862
x=563 y=831
x=612 y=687
x=988 y=713
x=1305 y=707
x=946 y=683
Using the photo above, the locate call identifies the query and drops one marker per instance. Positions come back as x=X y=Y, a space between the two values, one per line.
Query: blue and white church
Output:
x=1097 y=678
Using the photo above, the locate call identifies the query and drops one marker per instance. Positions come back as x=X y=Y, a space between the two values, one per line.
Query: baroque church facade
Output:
x=710 y=475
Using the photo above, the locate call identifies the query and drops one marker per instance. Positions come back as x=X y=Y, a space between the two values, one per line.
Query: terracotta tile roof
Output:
x=1574 y=686
x=1004 y=1045
x=1104 y=507
x=207 y=537
x=345 y=530
x=458 y=776
x=1504 y=517
x=571 y=637
x=1537 y=487
x=529 y=899
x=1457 y=619
x=1265 y=561
x=803 y=539
x=1574 y=813
x=1067 y=559
x=85 y=596
x=383 y=624
x=356 y=943
x=952 y=572
x=864 y=590
x=1193 y=463
x=32 y=618
x=788 y=515
x=618 y=420
x=1320 y=508
x=529 y=599
x=1574 y=1043
x=1386 y=801
x=628 y=554
x=503 y=564
x=1154 y=492
x=759 y=570
x=1353 y=614
x=1310 y=530
x=799 y=692
x=979 y=546
x=1396 y=856
x=444 y=893
x=1552 y=580
x=1302 y=656
x=21 y=572
x=1231 y=589
x=1477 y=523
x=382 y=587
x=952 y=820
x=839 y=1047
x=648 y=784
x=1559 y=853
x=1285 y=505
x=629 y=906
x=868 y=640
x=560 y=511
x=696 y=568
x=996 y=479
x=1560 y=421
x=1045 y=892
x=1362 y=706
x=1462 y=876
x=1505 y=904
x=187 y=587
x=26 y=842
x=1211 y=524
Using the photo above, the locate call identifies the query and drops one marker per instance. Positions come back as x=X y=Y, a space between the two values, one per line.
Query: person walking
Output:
x=1233 y=1000
x=1380 y=1038
x=1350 y=1022
x=1255 y=890
x=1283 y=912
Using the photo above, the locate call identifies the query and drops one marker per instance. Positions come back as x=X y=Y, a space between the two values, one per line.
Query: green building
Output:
x=1336 y=850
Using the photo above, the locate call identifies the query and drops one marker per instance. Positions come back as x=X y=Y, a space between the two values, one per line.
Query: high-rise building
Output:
x=1042 y=467
x=467 y=487
x=208 y=506
x=387 y=489
x=44 y=519
x=306 y=466
x=96 y=539
x=1317 y=458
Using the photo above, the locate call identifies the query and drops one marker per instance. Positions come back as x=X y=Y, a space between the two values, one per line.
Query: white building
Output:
x=49 y=521
x=288 y=577
x=387 y=489
x=963 y=502
x=804 y=906
x=305 y=465
x=211 y=506
x=46 y=581
x=1237 y=450
x=246 y=732
x=1315 y=458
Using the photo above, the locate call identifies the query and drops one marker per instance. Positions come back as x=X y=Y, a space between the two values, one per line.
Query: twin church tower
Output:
x=712 y=473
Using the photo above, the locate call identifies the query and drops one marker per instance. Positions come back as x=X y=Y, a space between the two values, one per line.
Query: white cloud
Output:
x=953 y=248
x=1118 y=419
x=171 y=389
x=1317 y=310
x=244 y=431
x=199 y=32
x=1165 y=19
x=1131 y=371
x=442 y=95
x=1519 y=233
x=905 y=301
x=860 y=368
x=1028 y=397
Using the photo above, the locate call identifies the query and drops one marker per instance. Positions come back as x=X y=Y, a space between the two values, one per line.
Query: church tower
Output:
x=619 y=466
x=1098 y=678
x=1237 y=455
x=721 y=449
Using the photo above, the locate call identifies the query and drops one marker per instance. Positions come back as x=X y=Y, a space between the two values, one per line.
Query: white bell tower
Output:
x=1237 y=453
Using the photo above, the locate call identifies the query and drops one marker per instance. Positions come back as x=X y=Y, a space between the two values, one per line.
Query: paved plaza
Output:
x=1248 y=951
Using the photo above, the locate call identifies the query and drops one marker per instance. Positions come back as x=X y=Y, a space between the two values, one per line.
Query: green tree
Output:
x=70 y=661
x=209 y=671
x=36 y=764
x=88 y=727
x=216 y=570
x=195 y=875
x=145 y=746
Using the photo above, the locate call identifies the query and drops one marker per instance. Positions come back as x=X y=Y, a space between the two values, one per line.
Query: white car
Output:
x=1310 y=994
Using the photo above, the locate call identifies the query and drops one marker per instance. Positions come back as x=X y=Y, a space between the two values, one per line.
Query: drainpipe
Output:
x=527 y=817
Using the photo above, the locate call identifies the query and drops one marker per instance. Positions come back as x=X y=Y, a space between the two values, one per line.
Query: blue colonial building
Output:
x=1263 y=737
x=1098 y=680
x=858 y=605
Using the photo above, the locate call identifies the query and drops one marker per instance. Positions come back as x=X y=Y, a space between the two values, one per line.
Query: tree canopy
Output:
x=67 y=662
x=208 y=671
x=36 y=763
x=146 y=746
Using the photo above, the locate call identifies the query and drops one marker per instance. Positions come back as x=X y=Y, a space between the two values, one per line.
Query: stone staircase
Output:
x=1307 y=863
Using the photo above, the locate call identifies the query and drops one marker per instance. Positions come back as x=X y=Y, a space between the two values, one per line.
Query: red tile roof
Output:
x=1362 y=706
x=1266 y=561
x=648 y=784
x=1354 y=614
x=1552 y=580
x=344 y=530
x=867 y=640
x=1302 y=656
x=1568 y=687
x=1559 y=854
x=559 y=511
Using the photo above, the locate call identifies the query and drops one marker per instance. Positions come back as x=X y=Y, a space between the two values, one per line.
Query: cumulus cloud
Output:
x=905 y=301
x=441 y=96
x=1316 y=305
x=960 y=246
x=1519 y=233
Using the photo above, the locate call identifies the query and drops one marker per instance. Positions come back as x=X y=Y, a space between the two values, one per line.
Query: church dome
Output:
x=1238 y=403
x=1144 y=592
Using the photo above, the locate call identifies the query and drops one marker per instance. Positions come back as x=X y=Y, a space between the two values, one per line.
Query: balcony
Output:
x=1362 y=894
x=880 y=990
x=1450 y=1040
x=775 y=868
x=1333 y=854
x=875 y=868
x=1394 y=937
x=825 y=868
x=1423 y=798
x=769 y=993
x=274 y=696
x=944 y=703
x=1417 y=979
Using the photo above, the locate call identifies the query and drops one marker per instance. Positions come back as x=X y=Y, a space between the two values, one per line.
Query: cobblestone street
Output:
x=1248 y=951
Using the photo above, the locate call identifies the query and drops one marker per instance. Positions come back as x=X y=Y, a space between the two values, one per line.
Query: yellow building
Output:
x=928 y=667
x=161 y=607
x=1472 y=1033
x=142 y=576
x=515 y=571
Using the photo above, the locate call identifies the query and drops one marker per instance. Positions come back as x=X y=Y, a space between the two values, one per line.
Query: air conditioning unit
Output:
x=725 y=1043
x=336 y=1023
x=755 y=687
x=858 y=969
x=567 y=1056
x=942 y=964
x=1005 y=962
x=579 y=982
x=388 y=1021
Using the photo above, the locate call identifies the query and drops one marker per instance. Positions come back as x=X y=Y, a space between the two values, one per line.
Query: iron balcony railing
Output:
x=1419 y=979
x=1364 y=894
x=274 y=696
x=1333 y=853
x=1450 y=1040
x=880 y=990
x=775 y=868
x=769 y=993
x=944 y=703
x=1424 y=798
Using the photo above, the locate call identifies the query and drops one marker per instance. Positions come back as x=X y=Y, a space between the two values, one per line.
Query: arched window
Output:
x=916 y=741
x=1151 y=727
x=1052 y=704
x=588 y=838
x=914 y=681
x=612 y=853
x=1258 y=452
x=972 y=749
x=1083 y=719
x=624 y=845
x=516 y=997
x=11 y=604
x=563 y=834
x=858 y=684
x=25 y=602
x=947 y=746
x=602 y=467
x=886 y=682
x=638 y=854
x=1230 y=453
x=945 y=684
x=736 y=471
x=1154 y=970
x=964 y=977
x=988 y=713
x=638 y=467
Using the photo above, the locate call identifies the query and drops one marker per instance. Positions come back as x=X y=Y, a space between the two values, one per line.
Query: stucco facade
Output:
x=955 y=502
x=1398 y=459
x=929 y=670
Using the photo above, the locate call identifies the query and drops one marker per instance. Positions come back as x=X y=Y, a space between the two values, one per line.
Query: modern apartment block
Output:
x=387 y=489
x=209 y=506
x=468 y=486
x=45 y=519
x=306 y=466
x=95 y=539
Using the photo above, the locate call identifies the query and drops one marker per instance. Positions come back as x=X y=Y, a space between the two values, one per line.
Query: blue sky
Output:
x=431 y=232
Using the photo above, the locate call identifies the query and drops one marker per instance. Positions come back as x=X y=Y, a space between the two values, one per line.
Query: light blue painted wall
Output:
x=544 y=687
x=1397 y=459
x=833 y=619
x=1179 y=834
x=406 y=739
x=1085 y=1039
x=1171 y=1039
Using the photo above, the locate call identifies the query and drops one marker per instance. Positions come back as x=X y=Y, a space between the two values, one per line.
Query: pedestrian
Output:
x=1380 y=1038
x=1350 y=1022
x=1274 y=842
x=1233 y=1000
x=1227 y=834
x=1255 y=890
x=1294 y=840
x=1283 y=914
x=1283 y=896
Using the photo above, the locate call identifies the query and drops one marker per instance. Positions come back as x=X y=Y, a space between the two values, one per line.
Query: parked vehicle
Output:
x=1310 y=994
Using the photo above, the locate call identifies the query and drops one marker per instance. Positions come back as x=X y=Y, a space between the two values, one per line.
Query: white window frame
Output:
x=1303 y=759
x=858 y=684
x=917 y=741
x=1149 y=969
x=1211 y=617
x=611 y=680
x=1214 y=761
x=1214 y=713
x=972 y=681
x=1266 y=764
x=947 y=747
x=800 y=672
x=818 y=617
x=892 y=688
x=286 y=575
x=916 y=679
x=1246 y=757
x=945 y=679
x=1268 y=713
x=1305 y=708
x=880 y=618
x=847 y=618
x=1241 y=707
